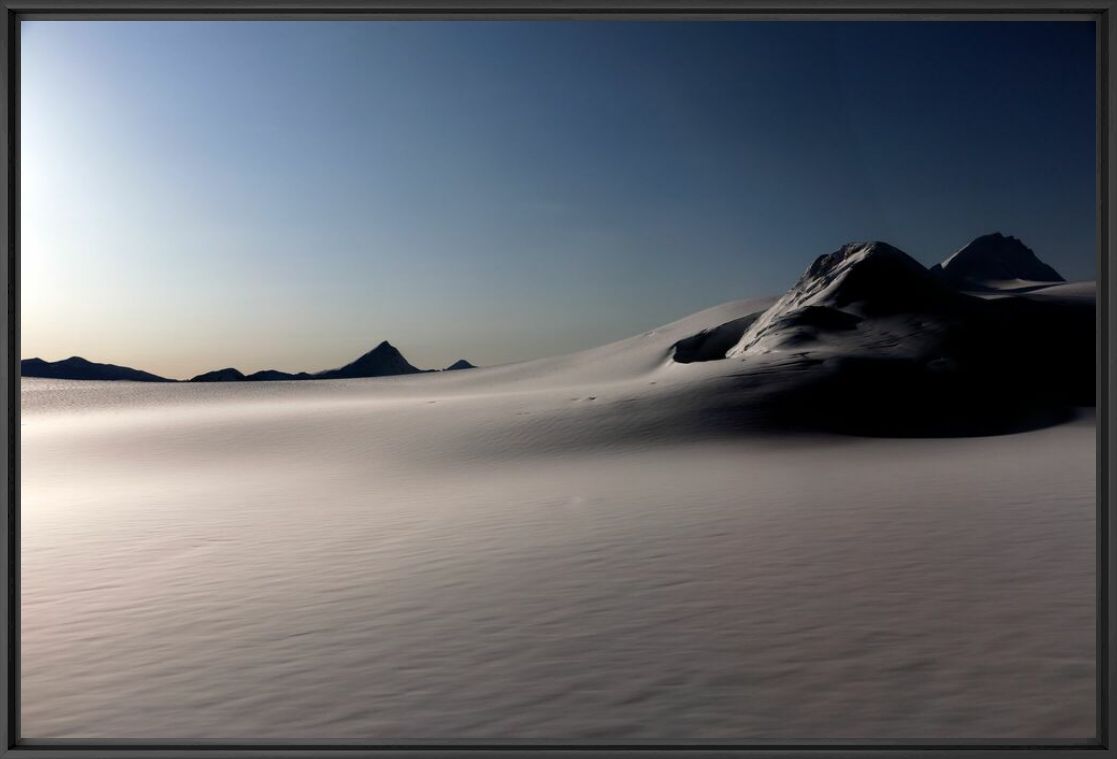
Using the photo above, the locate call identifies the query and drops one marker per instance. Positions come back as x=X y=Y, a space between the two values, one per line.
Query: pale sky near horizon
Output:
x=286 y=195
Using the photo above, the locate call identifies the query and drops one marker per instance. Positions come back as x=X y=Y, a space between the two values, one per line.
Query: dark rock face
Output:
x=712 y=344
x=820 y=317
x=77 y=368
x=461 y=363
x=220 y=375
x=382 y=361
x=995 y=257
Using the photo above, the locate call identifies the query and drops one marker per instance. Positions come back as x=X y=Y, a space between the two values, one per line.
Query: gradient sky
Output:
x=285 y=195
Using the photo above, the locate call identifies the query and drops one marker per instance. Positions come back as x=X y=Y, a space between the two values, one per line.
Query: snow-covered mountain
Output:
x=868 y=294
x=992 y=260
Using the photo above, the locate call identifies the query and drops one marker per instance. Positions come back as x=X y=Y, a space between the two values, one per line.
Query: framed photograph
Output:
x=514 y=377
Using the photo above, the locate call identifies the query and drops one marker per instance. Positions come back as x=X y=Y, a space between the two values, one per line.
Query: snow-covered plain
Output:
x=584 y=548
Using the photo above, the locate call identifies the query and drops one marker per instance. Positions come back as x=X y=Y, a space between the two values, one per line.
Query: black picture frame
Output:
x=1102 y=12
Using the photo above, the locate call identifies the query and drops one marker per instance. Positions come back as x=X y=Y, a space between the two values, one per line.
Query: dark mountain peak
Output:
x=382 y=361
x=383 y=348
x=875 y=275
x=859 y=253
x=461 y=363
x=995 y=257
x=220 y=375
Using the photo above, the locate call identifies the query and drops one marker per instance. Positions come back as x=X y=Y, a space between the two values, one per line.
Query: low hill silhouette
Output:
x=78 y=368
x=219 y=375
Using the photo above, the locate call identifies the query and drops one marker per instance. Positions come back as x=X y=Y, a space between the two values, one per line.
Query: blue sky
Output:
x=287 y=194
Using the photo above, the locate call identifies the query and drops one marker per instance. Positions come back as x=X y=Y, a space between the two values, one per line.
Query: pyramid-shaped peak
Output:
x=382 y=361
x=996 y=257
x=855 y=253
x=383 y=349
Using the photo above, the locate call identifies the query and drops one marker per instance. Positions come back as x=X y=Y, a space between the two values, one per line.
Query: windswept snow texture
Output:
x=610 y=546
x=862 y=511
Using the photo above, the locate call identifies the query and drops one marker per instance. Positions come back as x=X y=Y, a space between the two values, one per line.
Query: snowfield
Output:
x=611 y=546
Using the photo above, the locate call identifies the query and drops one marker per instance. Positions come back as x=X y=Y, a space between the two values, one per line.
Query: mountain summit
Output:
x=992 y=258
x=840 y=289
x=868 y=276
x=382 y=361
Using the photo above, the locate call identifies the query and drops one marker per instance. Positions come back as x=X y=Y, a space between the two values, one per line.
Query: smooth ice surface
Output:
x=530 y=552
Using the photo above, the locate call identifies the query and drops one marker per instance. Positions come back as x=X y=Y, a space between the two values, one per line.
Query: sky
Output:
x=287 y=194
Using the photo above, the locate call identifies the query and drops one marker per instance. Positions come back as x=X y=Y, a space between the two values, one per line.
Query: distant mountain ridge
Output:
x=219 y=375
x=274 y=375
x=78 y=368
x=862 y=298
x=384 y=360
